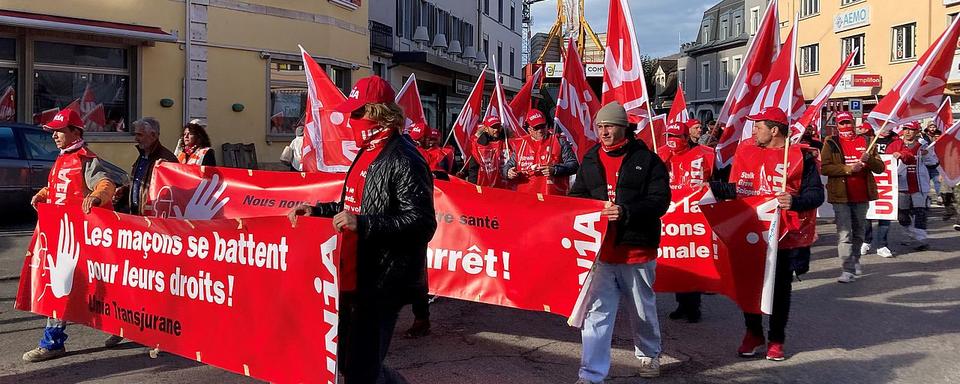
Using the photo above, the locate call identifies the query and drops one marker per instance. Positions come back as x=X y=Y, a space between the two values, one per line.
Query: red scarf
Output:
x=853 y=148
x=352 y=201
x=614 y=146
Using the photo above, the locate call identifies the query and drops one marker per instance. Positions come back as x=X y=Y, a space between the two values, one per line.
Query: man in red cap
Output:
x=546 y=160
x=850 y=188
x=77 y=177
x=489 y=154
x=690 y=166
x=914 y=186
x=387 y=218
x=758 y=170
x=695 y=128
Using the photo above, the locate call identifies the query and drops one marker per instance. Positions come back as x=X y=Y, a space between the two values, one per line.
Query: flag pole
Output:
x=790 y=88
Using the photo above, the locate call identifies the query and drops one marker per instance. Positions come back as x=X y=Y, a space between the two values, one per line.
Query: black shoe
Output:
x=420 y=328
x=694 y=316
x=922 y=247
x=677 y=314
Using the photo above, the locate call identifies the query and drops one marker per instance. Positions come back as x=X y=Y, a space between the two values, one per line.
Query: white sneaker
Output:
x=649 y=367
x=847 y=277
x=884 y=252
x=864 y=249
x=858 y=270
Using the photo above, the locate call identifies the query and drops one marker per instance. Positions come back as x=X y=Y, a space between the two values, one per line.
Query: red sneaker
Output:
x=749 y=345
x=775 y=351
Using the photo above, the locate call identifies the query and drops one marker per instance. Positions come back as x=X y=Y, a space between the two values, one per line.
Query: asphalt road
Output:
x=900 y=323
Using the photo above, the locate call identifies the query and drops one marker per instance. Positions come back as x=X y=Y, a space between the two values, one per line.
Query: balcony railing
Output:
x=381 y=38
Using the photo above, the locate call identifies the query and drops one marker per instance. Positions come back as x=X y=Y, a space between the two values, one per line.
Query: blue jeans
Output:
x=883 y=228
x=633 y=282
x=54 y=335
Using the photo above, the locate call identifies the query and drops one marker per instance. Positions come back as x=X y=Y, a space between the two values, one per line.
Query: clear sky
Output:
x=660 y=24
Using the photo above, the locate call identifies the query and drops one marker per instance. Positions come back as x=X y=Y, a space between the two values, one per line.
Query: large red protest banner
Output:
x=690 y=256
x=201 y=193
x=179 y=286
x=513 y=249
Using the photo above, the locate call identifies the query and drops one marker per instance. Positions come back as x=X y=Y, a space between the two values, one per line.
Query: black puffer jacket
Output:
x=643 y=191
x=396 y=222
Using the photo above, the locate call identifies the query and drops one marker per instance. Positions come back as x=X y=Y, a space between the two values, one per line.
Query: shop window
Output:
x=8 y=79
x=288 y=97
x=96 y=81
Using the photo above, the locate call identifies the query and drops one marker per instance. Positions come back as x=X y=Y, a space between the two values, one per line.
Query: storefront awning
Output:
x=75 y=25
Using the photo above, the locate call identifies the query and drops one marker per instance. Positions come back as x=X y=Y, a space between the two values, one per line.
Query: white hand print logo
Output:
x=205 y=202
x=61 y=270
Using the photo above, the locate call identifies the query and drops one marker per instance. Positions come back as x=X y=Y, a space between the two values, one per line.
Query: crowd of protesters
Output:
x=386 y=211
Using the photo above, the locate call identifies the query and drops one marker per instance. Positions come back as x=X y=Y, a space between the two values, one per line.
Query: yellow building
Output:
x=234 y=63
x=891 y=37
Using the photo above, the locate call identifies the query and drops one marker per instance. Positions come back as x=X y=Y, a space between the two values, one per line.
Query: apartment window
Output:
x=705 y=76
x=288 y=96
x=705 y=34
x=809 y=8
x=513 y=61
x=93 y=79
x=486 y=7
x=466 y=35
x=486 y=47
x=810 y=59
x=737 y=63
x=500 y=12
x=848 y=44
x=724 y=75
x=500 y=55
x=513 y=15
x=379 y=69
x=681 y=76
x=844 y=3
x=737 y=25
x=8 y=79
x=754 y=20
x=724 y=29
x=904 y=44
x=341 y=78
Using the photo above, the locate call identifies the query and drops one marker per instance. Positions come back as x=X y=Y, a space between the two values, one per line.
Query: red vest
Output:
x=66 y=183
x=759 y=171
x=532 y=154
x=490 y=158
x=688 y=168
x=435 y=157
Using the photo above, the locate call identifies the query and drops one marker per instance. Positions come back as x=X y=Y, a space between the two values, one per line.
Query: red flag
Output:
x=916 y=95
x=678 y=110
x=947 y=148
x=747 y=84
x=623 y=78
x=780 y=86
x=45 y=116
x=576 y=104
x=523 y=100
x=74 y=105
x=88 y=101
x=327 y=142
x=812 y=114
x=651 y=137
x=8 y=106
x=95 y=120
x=466 y=123
x=943 y=119
x=750 y=229
x=409 y=99
x=498 y=99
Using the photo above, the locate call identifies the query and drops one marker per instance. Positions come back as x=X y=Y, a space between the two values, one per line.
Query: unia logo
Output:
x=63 y=182
x=327 y=288
x=586 y=249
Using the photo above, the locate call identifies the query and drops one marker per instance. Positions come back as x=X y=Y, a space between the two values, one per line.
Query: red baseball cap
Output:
x=491 y=120
x=535 y=118
x=418 y=131
x=434 y=134
x=771 y=114
x=369 y=90
x=911 y=125
x=65 y=118
x=866 y=126
x=844 y=116
x=677 y=128
x=692 y=122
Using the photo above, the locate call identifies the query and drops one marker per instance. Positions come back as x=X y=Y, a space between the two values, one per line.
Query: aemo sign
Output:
x=853 y=18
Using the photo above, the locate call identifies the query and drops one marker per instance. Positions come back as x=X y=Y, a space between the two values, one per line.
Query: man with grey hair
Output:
x=146 y=134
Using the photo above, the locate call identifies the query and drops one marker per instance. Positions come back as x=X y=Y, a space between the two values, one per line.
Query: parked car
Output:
x=27 y=153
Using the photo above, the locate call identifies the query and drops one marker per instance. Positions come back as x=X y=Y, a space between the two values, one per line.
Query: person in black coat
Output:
x=386 y=213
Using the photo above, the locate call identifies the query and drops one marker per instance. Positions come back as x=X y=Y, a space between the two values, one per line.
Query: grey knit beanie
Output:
x=612 y=113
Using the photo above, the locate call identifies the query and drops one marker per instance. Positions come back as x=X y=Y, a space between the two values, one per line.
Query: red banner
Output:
x=691 y=256
x=179 y=286
x=202 y=193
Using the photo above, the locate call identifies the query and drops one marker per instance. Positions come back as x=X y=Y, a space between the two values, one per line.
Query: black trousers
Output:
x=366 y=329
x=688 y=301
x=421 y=307
x=782 y=286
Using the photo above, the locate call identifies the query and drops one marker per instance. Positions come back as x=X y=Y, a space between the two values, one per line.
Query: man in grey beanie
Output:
x=636 y=186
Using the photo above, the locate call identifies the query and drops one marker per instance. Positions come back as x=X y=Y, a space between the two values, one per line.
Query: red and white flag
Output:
x=654 y=136
x=943 y=119
x=812 y=114
x=8 y=105
x=623 y=78
x=917 y=95
x=747 y=84
x=328 y=144
x=409 y=99
x=45 y=116
x=87 y=101
x=678 y=110
x=947 y=148
x=501 y=108
x=466 y=123
x=95 y=120
x=576 y=104
x=523 y=100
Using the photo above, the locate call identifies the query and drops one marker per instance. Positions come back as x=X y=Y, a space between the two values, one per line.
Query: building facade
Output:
x=710 y=64
x=234 y=63
x=889 y=35
x=445 y=44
